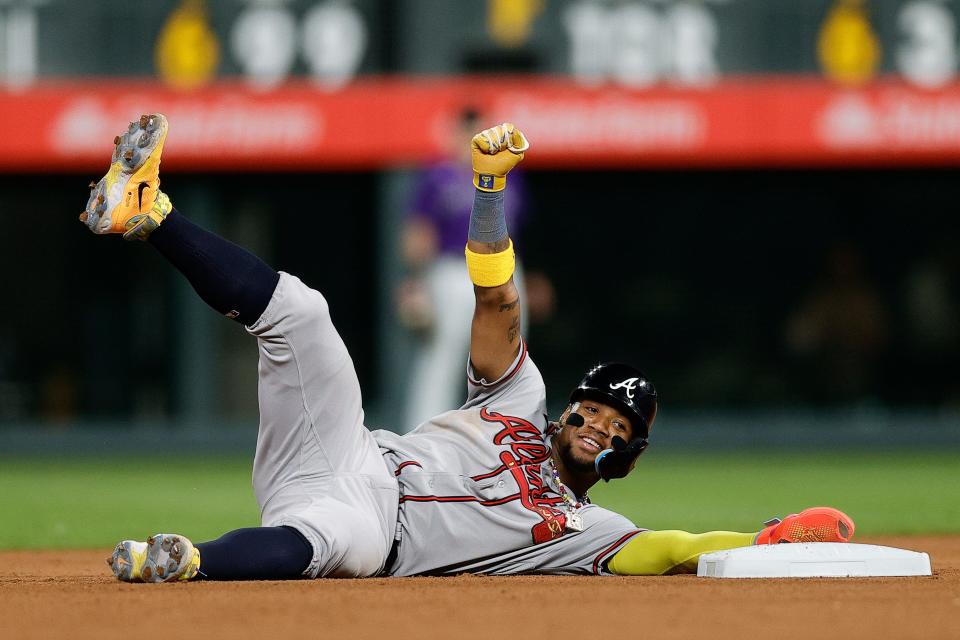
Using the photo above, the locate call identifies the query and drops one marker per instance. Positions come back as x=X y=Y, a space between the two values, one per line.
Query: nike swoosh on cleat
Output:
x=140 y=188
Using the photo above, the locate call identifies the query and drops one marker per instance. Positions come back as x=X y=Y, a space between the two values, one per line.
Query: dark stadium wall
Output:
x=695 y=276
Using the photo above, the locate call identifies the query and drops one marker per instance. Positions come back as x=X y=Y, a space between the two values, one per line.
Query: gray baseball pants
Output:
x=318 y=469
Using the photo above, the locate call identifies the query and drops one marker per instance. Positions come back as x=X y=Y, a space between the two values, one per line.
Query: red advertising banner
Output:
x=378 y=123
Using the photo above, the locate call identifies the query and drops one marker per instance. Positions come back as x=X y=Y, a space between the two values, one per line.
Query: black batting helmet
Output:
x=624 y=388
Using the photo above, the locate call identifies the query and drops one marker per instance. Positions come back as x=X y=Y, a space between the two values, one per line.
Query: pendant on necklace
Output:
x=574 y=521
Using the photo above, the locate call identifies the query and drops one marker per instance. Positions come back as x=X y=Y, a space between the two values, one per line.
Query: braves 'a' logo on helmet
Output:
x=623 y=387
x=629 y=385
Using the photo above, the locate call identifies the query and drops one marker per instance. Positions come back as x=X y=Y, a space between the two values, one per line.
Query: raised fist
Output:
x=495 y=151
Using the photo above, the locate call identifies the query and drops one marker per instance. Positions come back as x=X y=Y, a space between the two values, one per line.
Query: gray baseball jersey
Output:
x=478 y=495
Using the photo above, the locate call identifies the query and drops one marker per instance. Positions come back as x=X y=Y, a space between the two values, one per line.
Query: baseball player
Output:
x=492 y=487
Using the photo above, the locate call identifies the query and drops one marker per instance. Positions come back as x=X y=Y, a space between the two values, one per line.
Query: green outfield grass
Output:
x=86 y=502
x=47 y=503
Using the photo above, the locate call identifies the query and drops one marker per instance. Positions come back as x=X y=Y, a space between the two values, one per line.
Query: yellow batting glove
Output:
x=495 y=151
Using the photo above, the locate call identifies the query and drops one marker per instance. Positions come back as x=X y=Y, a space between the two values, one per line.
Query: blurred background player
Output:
x=435 y=300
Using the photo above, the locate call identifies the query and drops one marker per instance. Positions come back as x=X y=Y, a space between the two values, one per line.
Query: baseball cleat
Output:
x=128 y=559
x=170 y=557
x=127 y=199
x=164 y=557
x=817 y=524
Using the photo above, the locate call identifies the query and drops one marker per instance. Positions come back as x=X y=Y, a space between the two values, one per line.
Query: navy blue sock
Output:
x=229 y=278
x=259 y=553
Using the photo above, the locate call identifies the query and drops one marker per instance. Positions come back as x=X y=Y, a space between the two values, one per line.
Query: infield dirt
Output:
x=71 y=594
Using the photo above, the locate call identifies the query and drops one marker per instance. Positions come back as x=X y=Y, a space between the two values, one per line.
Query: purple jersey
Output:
x=440 y=197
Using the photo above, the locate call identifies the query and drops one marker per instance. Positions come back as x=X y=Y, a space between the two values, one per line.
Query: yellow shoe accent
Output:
x=127 y=199
x=140 y=226
x=193 y=568
x=128 y=560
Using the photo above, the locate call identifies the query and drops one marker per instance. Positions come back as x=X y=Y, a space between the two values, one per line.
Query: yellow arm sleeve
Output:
x=657 y=553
